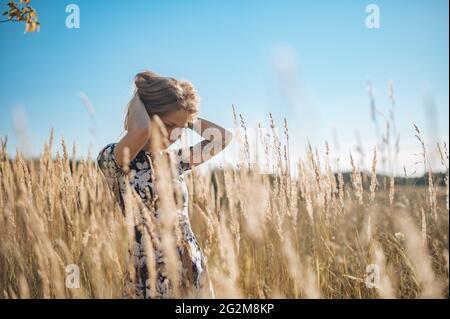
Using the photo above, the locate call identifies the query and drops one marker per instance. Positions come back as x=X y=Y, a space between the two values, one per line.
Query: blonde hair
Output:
x=161 y=94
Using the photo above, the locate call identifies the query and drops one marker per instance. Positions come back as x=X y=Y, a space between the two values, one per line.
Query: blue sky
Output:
x=308 y=61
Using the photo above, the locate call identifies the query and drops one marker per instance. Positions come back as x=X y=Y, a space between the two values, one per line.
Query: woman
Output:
x=172 y=105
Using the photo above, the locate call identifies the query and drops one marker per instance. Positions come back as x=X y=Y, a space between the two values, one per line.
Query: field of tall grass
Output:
x=314 y=234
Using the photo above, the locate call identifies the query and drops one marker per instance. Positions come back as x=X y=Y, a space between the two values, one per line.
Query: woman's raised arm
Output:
x=138 y=131
x=216 y=138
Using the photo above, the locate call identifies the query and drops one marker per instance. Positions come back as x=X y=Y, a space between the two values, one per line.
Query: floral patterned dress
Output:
x=141 y=178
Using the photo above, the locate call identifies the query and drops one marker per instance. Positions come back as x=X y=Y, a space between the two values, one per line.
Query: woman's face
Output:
x=174 y=122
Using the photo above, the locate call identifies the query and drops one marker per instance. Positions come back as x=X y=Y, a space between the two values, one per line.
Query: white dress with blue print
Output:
x=141 y=178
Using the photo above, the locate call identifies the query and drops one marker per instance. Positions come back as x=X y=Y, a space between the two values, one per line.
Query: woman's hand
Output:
x=138 y=132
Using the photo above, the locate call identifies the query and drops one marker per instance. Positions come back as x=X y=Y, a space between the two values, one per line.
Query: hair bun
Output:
x=189 y=96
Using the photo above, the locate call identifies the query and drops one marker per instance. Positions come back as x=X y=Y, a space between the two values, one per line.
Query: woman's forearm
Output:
x=215 y=139
x=212 y=132
x=138 y=132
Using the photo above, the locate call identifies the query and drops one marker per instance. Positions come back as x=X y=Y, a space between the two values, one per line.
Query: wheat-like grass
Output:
x=311 y=235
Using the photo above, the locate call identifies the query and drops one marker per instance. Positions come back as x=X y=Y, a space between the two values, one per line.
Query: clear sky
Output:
x=308 y=61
